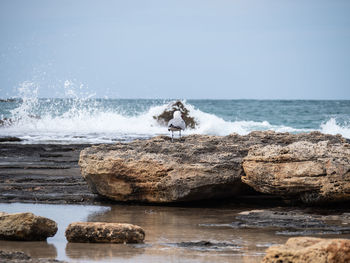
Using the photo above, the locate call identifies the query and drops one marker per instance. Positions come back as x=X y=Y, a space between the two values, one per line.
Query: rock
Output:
x=26 y=227
x=310 y=250
x=9 y=138
x=198 y=167
x=167 y=115
x=20 y=257
x=160 y=171
x=207 y=245
x=295 y=222
x=97 y=232
x=309 y=171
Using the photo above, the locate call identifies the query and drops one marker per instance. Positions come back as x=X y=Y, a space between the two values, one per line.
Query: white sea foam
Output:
x=332 y=127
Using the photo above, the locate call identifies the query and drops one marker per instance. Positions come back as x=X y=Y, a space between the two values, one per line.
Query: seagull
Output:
x=176 y=124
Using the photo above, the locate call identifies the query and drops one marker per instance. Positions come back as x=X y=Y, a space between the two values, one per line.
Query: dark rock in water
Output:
x=167 y=115
x=199 y=167
x=99 y=232
x=26 y=227
x=293 y=222
x=20 y=257
x=207 y=245
x=10 y=139
x=310 y=250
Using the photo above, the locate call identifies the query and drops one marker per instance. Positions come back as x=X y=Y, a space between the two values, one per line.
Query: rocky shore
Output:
x=42 y=173
x=312 y=168
x=305 y=178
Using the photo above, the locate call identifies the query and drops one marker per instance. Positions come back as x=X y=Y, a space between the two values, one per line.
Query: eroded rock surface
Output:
x=293 y=222
x=310 y=250
x=197 y=167
x=98 y=232
x=309 y=171
x=26 y=227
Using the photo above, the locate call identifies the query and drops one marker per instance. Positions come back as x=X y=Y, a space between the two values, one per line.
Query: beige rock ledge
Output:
x=197 y=167
x=309 y=250
x=26 y=227
x=312 y=172
x=99 y=232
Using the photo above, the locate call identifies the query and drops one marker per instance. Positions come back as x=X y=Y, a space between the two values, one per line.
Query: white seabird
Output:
x=176 y=124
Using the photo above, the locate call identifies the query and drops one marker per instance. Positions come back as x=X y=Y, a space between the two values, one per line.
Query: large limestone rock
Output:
x=310 y=250
x=158 y=170
x=26 y=227
x=98 y=232
x=311 y=172
x=196 y=168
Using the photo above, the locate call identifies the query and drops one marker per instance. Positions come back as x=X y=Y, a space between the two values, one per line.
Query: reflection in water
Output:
x=33 y=249
x=175 y=231
x=173 y=234
x=98 y=251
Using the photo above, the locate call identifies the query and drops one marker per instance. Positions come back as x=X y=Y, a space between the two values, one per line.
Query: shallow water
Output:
x=172 y=234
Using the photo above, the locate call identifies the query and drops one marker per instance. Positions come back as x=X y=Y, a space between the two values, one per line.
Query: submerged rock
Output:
x=167 y=115
x=310 y=250
x=20 y=257
x=97 y=232
x=308 y=171
x=294 y=222
x=198 y=167
x=26 y=227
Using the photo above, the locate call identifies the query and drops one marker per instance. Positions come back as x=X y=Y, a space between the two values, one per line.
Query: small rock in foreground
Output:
x=20 y=257
x=98 y=232
x=26 y=227
x=310 y=250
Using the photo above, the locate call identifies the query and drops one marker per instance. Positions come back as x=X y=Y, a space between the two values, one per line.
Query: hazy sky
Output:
x=219 y=49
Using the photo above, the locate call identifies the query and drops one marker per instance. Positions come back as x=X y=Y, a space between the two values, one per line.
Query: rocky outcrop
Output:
x=310 y=250
x=97 y=232
x=167 y=115
x=197 y=167
x=311 y=172
x=158 y=170
x=293 y=222
x=26 y=227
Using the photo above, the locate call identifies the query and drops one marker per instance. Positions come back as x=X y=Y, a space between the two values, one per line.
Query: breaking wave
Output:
x=77 y=120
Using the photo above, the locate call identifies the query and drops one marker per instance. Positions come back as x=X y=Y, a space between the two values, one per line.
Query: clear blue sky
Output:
x=219 y=49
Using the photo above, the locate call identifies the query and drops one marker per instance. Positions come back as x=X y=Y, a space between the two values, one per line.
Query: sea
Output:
x=79 y=117
x=106 y=120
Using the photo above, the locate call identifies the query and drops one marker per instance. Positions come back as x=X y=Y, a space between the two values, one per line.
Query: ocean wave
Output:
x=333 y=127
x=76 y=120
